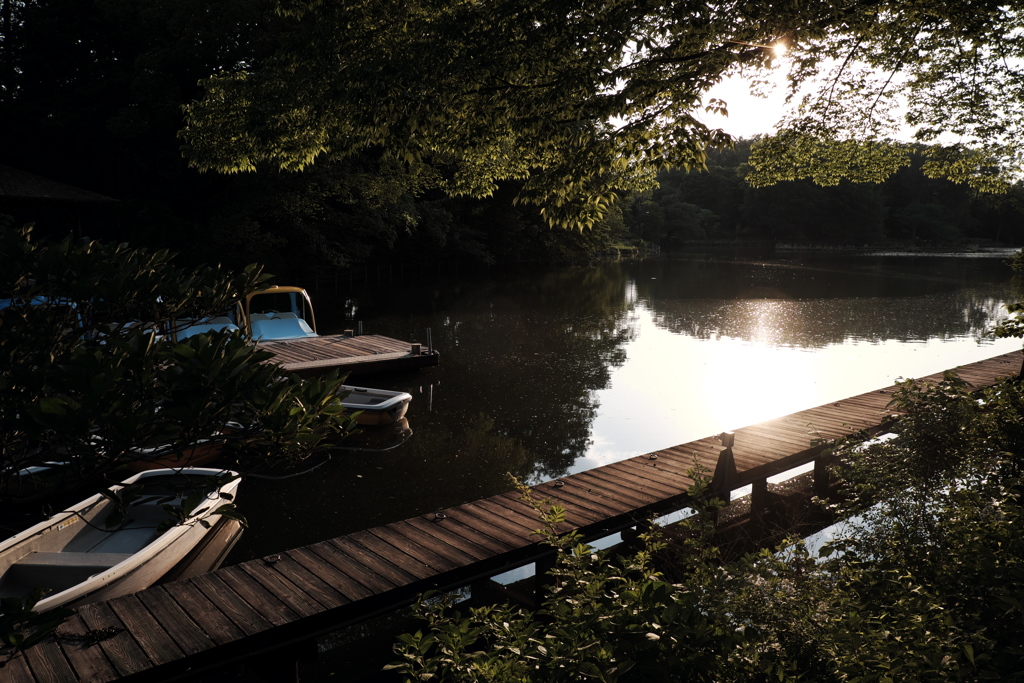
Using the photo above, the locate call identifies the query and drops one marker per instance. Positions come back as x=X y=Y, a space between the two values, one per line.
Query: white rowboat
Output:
x=75 y=557
x=376 y=407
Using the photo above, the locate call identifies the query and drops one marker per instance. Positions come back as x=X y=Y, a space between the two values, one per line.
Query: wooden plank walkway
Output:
x=359 y=355
x=178 y=629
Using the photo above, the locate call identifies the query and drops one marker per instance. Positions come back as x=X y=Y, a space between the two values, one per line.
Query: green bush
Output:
x=926 y=584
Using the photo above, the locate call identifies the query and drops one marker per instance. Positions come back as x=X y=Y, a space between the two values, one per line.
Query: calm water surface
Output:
x=549 y=372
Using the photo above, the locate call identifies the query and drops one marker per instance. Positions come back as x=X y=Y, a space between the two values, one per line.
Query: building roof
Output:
x=15 y=184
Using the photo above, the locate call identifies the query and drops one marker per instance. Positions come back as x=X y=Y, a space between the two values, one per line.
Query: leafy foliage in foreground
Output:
x=91 y=375
x=924 y=586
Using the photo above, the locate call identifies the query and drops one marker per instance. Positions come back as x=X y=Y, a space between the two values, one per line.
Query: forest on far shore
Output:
x=908 y=210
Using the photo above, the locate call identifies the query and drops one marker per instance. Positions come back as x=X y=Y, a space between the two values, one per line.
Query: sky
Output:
x=748 y=115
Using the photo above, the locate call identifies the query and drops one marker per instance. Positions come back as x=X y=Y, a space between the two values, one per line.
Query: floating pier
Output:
x=273 y=605
x=356 y=355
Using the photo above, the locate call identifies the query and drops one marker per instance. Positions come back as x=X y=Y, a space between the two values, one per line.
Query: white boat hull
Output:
x=375 y=407
x=79 y=561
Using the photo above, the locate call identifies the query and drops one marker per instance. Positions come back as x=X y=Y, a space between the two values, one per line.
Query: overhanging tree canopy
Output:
x=948 y=75
x=584 y=100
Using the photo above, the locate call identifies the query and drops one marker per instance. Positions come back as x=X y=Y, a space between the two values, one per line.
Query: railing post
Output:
x=725 y=475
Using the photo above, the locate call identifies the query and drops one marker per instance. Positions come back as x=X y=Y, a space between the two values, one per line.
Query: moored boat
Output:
x=164 y=457
x=278 y=314
x=280 y=320
x=375 y=407
x=37 y=482
x=79 y=560
x=183 y=329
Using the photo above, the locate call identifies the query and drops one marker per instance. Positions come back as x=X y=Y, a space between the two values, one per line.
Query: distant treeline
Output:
x=908 y=210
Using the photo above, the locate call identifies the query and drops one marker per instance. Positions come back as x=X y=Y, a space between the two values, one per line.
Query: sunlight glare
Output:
x=749 y=114
x=692 y=388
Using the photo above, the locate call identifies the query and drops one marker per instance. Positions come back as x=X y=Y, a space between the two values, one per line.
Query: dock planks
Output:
x=178 y=629
x=360 y=355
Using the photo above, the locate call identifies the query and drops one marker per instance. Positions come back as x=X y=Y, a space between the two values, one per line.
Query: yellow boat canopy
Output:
x=307 y=304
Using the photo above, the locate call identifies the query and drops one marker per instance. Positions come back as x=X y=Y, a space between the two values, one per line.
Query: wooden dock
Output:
x=180 y=629
x=356 y=355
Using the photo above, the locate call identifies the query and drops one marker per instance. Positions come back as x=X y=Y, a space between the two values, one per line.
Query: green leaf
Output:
x=52 y=405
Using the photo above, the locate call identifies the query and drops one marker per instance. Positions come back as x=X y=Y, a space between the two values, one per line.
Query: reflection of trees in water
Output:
x=539 y=358
x=813 y=301
x=817 y=277
x=820 y=322
x=529 y=354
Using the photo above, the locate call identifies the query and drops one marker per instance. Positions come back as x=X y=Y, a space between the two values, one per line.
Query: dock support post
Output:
x=490 y=592
x=280 y=665
x=542 y=576
x=821 y=481
x=758 y=498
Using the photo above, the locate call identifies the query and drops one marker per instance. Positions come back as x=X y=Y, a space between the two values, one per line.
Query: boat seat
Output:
x=287 y=315
x=127 y=539
x=258 y=316
x=275 y=329
x=356 y=399
x=139 y=530
x=59 y=571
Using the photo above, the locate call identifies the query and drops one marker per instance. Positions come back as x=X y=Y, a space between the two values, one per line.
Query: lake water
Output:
x=546 y=372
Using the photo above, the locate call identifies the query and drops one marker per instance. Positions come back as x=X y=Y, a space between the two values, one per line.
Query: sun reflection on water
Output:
x=773 y=320
x=676 y=387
